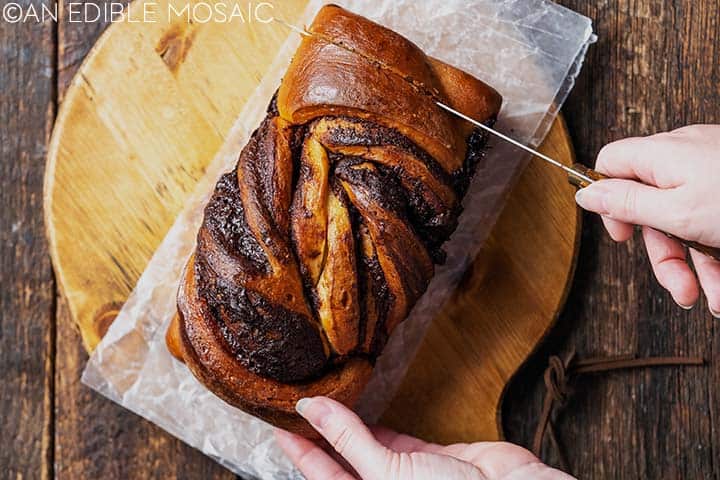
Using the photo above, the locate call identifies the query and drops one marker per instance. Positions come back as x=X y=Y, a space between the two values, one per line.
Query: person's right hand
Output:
x=679 y=194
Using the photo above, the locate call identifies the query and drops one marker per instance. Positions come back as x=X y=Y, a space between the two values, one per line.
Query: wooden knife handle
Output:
x=580 y=182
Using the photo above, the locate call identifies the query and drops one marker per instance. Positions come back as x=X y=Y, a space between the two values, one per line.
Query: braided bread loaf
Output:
x=324 y=236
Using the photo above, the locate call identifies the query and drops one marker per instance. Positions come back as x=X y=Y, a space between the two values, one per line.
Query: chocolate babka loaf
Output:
x=325 y=234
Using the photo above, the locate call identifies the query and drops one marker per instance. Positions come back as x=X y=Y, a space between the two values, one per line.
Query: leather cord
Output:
x=562 y=371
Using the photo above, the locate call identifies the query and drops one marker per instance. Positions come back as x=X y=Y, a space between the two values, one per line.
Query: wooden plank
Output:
x=95 y=438
x=27 y=336
x=655 y=68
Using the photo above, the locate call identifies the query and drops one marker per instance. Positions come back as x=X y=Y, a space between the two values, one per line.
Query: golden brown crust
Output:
x=325 y=235
x=173 y=338
x=364 y=70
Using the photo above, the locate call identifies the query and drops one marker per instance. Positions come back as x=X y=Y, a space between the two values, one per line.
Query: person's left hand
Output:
x=380 y=454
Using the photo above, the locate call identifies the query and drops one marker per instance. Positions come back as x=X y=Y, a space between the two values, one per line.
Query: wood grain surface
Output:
x=654 y=68
x=27 y=301
x=116 y=443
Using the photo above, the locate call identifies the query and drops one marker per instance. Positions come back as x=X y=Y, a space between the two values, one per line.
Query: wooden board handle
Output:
x=580 y=182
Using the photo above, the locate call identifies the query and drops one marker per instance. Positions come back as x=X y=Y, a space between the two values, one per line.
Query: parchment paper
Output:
x=529 y=50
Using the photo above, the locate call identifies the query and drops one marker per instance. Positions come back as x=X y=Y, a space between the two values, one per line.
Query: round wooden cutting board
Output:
x=149 y=109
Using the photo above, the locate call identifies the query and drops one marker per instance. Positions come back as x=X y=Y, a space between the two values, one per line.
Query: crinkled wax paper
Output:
x=530 y=50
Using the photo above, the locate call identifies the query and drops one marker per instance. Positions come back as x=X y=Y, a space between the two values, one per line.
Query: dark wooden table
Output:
x=655 y=67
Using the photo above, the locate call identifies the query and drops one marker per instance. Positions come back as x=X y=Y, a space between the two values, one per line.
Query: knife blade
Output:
x=578 y=174
x=571 y=171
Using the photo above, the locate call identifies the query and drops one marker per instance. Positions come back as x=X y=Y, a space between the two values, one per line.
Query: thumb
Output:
x=631 y=202
x=347 y=434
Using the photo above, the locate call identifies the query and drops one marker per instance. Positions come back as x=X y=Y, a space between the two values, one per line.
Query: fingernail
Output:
x=579 y=195
x=591 y=199
x=685 y=307
x=314 y=411
x=715 y=314
x=302 y=404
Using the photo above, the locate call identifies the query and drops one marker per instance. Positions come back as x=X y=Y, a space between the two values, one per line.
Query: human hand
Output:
x=680 y=171
x=380 y=454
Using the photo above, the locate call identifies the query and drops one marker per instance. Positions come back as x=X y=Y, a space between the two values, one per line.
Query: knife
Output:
x=579 y=175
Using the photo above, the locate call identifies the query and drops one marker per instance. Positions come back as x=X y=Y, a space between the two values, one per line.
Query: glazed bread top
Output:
x=325 y=235
x=354 y=67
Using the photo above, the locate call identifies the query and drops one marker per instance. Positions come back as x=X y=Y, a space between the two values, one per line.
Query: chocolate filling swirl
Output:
x=321 y=240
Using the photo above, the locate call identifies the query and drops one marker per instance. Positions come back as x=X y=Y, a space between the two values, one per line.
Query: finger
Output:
x=619 y=231
x=309 y=458
x=633 y=203
x=493 y=458
x=708 y=271
x=399 y=442
x=347 y=434
x=503 y=460
x=652 y=160
x=669 y=263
